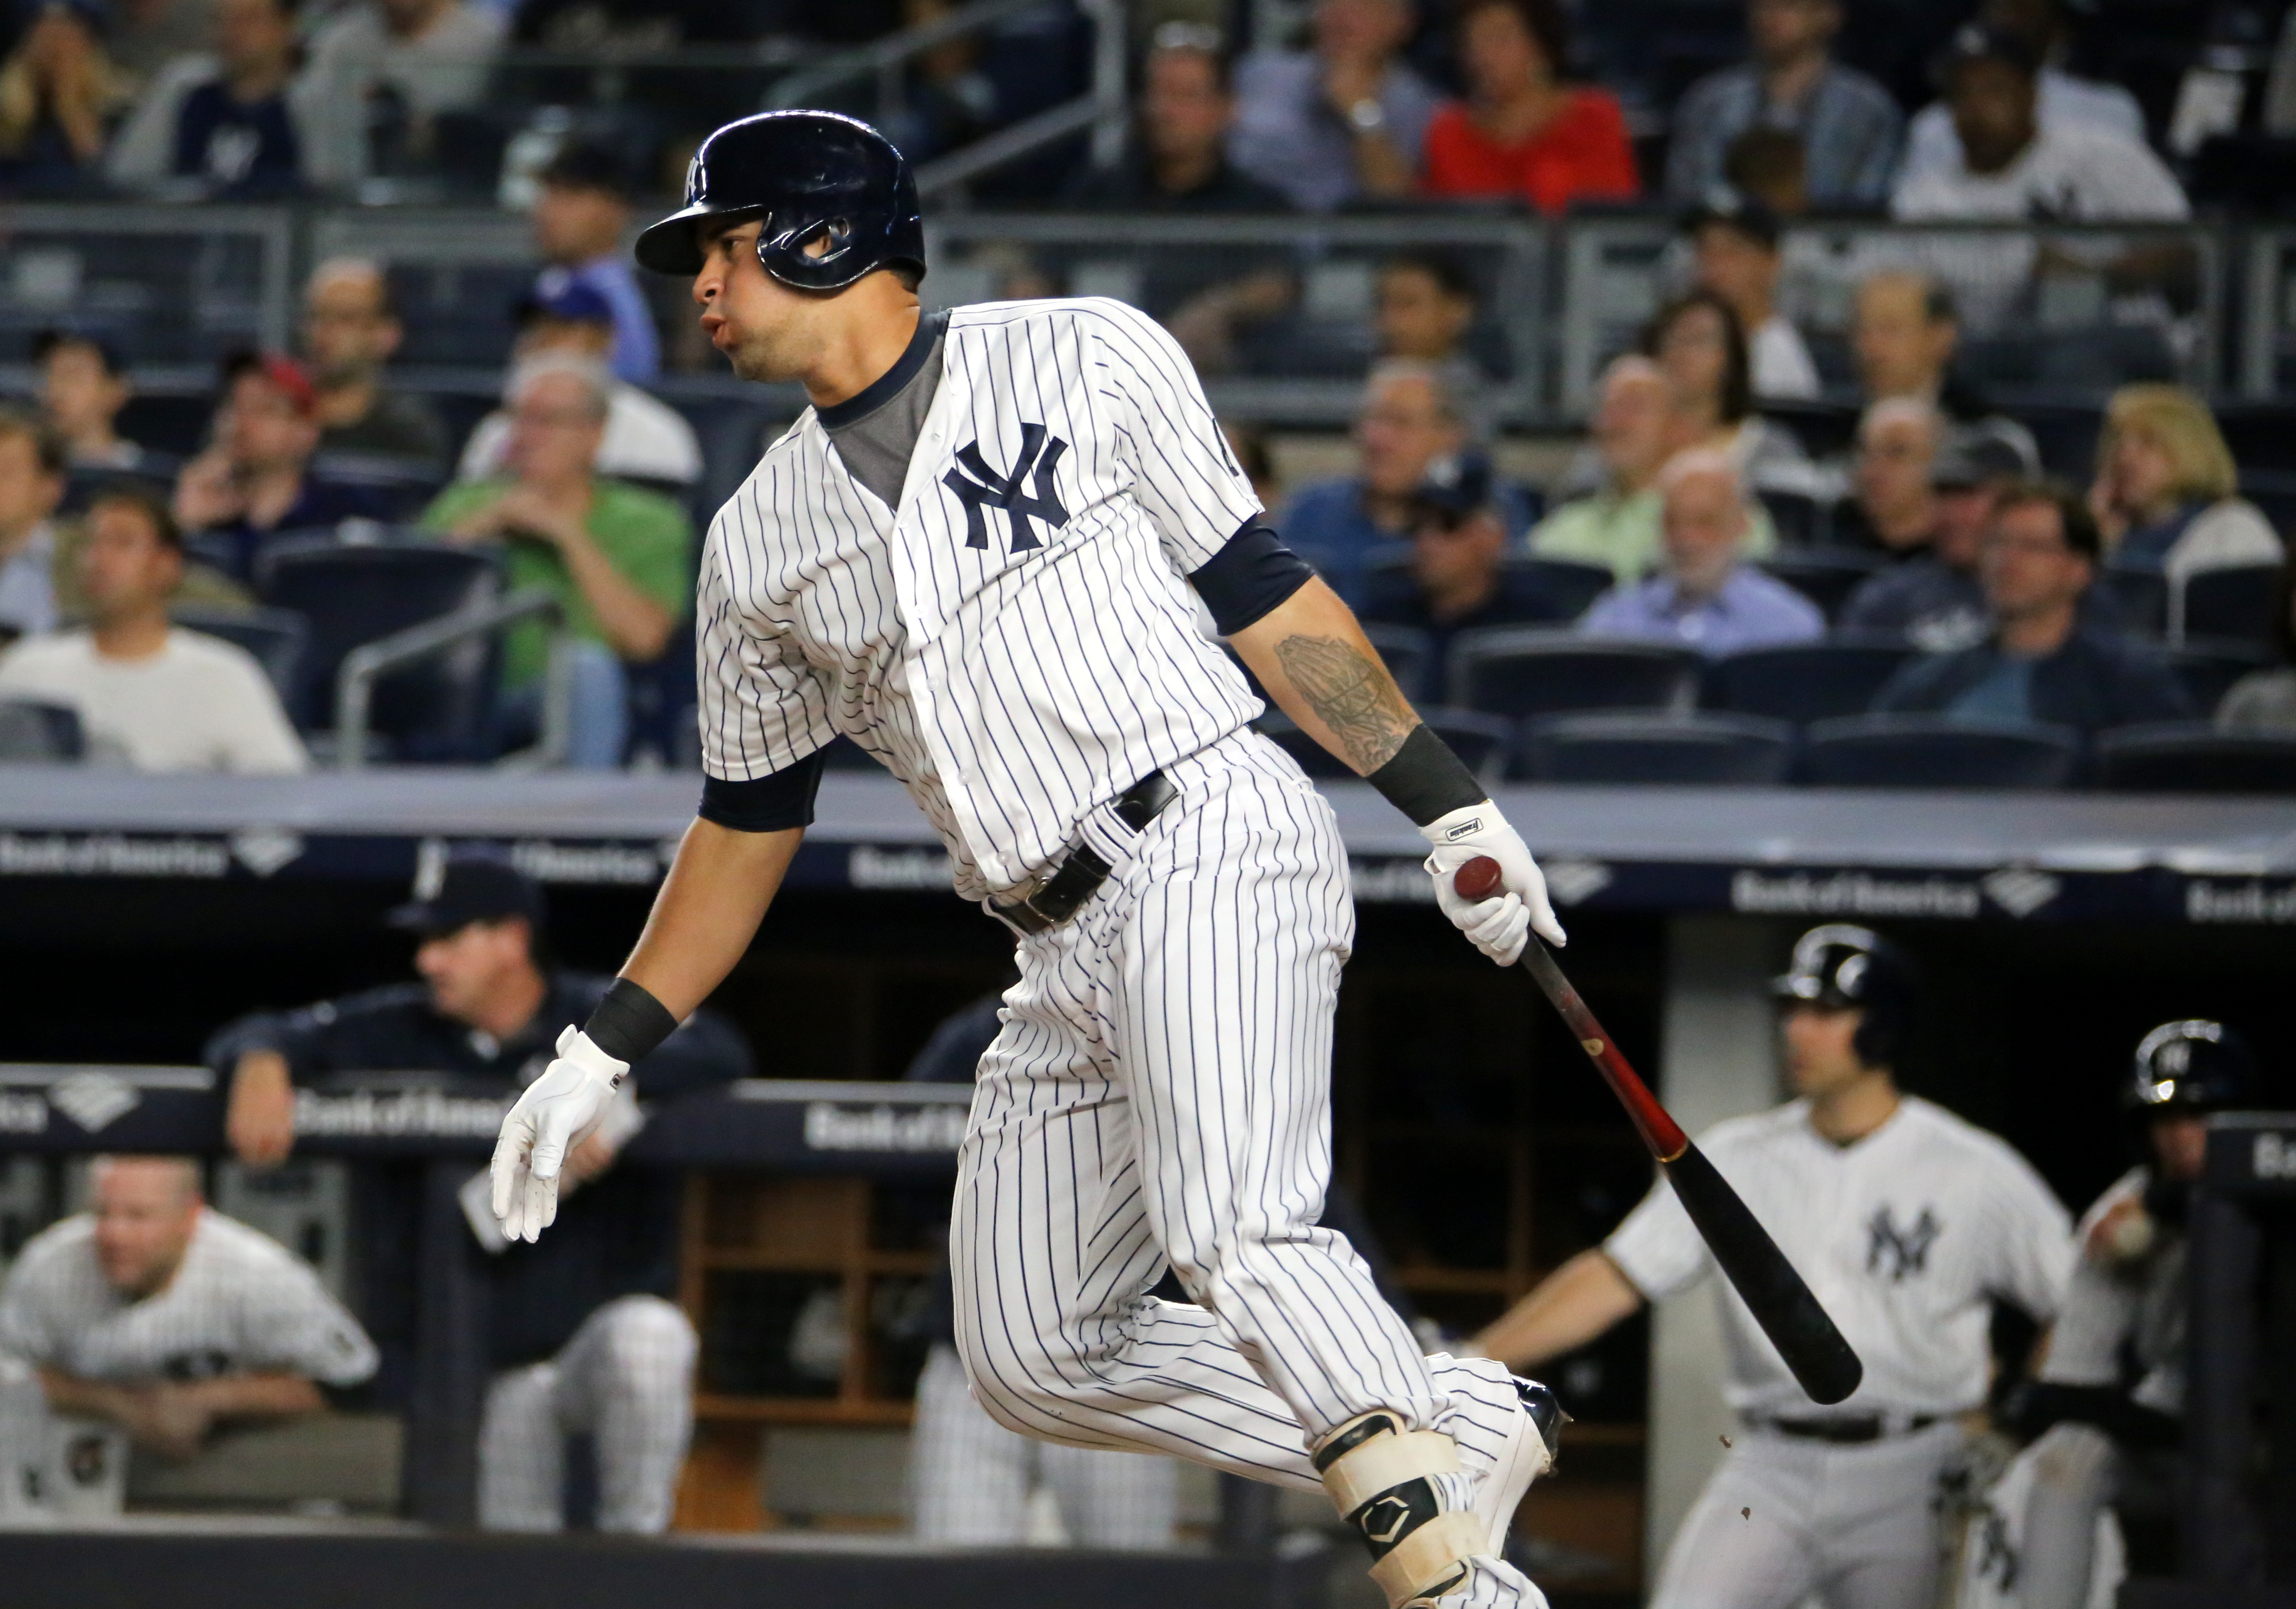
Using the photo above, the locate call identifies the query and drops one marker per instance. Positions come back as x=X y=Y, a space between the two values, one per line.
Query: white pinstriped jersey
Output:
x=1017 y=642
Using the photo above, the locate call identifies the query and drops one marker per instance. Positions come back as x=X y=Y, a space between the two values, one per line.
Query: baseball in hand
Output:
x=1478 y=879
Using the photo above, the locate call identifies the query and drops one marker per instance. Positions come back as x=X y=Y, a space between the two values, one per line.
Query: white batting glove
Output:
x=559 y=1110
x=1498 y=926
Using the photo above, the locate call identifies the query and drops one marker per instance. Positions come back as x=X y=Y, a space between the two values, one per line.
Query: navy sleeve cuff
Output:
x=768 y=804
x=1247 y=578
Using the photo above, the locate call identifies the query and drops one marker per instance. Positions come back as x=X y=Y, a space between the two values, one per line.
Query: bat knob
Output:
x=1478 y=880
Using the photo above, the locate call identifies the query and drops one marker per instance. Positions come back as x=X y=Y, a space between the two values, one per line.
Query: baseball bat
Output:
x=1806 y=1337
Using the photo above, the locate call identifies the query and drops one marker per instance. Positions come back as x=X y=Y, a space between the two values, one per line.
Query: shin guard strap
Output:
x=1383 y=1461
x=1431 y=1558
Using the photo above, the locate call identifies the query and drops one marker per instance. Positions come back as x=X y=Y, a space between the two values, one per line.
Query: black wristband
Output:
x=629 y=1023
x=1425 y=780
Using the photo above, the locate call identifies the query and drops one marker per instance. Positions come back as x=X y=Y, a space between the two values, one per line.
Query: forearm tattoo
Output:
x=1351 y=693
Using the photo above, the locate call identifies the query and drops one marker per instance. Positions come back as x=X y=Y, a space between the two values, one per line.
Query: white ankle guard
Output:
x=1382 y=1481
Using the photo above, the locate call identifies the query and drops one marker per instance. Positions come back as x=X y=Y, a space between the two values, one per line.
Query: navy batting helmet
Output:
x=812 y=176
x=1846 y=969
x=2196 y=1065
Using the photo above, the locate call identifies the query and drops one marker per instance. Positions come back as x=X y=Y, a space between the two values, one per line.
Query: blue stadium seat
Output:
x=1826 y=576
x=1479 y=741
x=276 y=637
x=349 y=595
x=1923 y=751
x=1707 y=748
x=2189 y=757
x=1803 y=681
x=1573 y=585
x=35 y=732
x=2141 y=596
x=1409 y=654
x=2234 y=603
x=1531 y=670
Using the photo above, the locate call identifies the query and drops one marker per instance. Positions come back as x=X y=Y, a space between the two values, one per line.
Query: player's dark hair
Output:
x=47 y=443
x=908 y=273
x=1452 y=276
x=1737 y=398
x=2073 y=515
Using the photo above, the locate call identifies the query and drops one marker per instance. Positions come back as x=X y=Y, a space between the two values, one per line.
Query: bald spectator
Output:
x=1705 y=596
x=256 y=481
x=31 y=486
x=350 y=331
x=1344 y=121
x=2060 y=101
x=1848 y=124
x=2041 y=661
x=614 y=555
x=2009 y=168
x=1734 y=242
x=1412 y=417
x=1932 y=598
x=240 y=120
x=1894 y=508
x=147 y=694
x=150 y=1318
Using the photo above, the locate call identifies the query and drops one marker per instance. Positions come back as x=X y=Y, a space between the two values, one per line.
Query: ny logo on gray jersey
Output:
x=1898 y=1253
x=979 y=487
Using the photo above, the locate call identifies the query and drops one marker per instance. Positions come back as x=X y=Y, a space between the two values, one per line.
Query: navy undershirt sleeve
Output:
x=1247 y=577
x=768 y=804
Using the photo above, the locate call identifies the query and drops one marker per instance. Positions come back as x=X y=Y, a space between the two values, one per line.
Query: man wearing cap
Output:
x=2108 y=1400
x=1934 y=599
x=582 y=1336
x=1734 y=241
x=255 y=480
x=1705 y=596
x=1908 y=1223
x=646 y=439
x=2013 y=168
x=1457 y=580
x=579 y=216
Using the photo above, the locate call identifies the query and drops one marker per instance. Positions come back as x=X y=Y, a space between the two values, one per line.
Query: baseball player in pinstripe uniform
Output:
x=980 y=555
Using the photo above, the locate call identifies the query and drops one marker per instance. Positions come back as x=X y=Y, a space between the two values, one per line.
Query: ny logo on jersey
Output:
x=979 y=487
x=1898 y=1253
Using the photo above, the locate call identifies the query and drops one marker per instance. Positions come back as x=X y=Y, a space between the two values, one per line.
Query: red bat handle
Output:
x=1480 y=880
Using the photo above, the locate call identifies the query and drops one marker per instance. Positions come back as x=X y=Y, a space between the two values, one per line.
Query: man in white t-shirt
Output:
x=161 y=699
x=1734 y=241
x=646 y=439
x=2012 y=166
x=2062 y=101
x=1908 y=1223
x=151 y=1319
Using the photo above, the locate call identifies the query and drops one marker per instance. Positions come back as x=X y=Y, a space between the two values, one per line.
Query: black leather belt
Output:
x=1064 y=892
x=1844 y=1430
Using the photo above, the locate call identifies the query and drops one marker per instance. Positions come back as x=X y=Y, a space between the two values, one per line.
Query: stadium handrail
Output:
x=368 y=663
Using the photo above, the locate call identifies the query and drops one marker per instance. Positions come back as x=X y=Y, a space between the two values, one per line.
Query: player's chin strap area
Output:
x=1382 y=1481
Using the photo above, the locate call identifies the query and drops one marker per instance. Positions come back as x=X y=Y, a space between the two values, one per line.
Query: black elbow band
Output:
x=768 y=804
x=1425 y=780
x=1249 y=577
x=629 y=1023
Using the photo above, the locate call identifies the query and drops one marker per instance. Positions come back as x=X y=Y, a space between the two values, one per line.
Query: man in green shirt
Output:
x=616 y=556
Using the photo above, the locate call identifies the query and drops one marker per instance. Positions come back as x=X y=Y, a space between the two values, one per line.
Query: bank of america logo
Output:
x=980 y=487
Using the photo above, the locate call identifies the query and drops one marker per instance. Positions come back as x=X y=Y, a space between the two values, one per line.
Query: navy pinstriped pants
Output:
x=1161 y=1090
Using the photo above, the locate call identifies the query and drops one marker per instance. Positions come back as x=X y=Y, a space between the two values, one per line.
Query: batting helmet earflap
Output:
x=811 y=177
x=2196 y=1065
x=1848 y=967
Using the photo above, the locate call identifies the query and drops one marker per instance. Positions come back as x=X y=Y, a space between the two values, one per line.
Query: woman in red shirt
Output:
x=1521 y=130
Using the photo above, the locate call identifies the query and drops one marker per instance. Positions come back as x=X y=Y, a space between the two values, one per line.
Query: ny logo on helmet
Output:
x=980 y=487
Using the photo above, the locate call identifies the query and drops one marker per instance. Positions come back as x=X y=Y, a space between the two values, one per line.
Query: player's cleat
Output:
x=1527 y=1454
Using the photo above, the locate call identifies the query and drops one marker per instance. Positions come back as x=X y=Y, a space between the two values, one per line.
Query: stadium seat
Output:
x=2190 y=757
x=2262 y=435
x=2234 y=603
x=1803 y=681
x=276 y=637
x=1409 y=654
x=33 y=732
x=2273 y=492
x=1479 y=741
x=1923 y=751
x=1710 y=748
x=1825 y=430
x=2209 y=669
x=1800 y=518
x=1826 y=576
x=1530 y=670
x=2141 y=596
x=1569 y=585
x=350 y=595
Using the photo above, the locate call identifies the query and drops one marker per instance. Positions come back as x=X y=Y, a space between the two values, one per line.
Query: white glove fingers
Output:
x=1543 y=922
